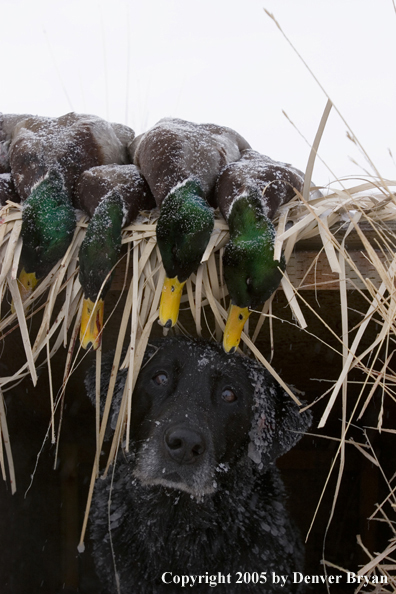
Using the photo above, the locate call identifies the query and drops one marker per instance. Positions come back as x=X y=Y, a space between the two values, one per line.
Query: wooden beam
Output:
x=307 y=270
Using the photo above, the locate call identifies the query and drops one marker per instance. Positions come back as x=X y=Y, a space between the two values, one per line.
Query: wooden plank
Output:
x=306 y=271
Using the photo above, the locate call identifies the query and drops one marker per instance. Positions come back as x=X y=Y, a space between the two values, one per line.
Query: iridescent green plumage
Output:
x=48 y=223
x=101 y=247
x=184 y=229
x=250 y=272
x=99 y=253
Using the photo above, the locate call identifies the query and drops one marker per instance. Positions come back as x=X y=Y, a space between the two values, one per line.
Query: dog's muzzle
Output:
x=179 y=456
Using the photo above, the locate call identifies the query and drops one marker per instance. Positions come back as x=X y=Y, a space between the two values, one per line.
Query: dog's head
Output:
x=197 y=412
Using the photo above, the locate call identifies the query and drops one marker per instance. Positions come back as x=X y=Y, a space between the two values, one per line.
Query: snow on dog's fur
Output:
x=199 y=492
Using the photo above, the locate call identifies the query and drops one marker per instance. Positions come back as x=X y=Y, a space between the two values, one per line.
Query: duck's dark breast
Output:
x=73 y=143
x=165 y=159
x=175 y=150
x=41 y=143
x=94 y=184
x=27 y=164
x=80 y=153
x=275 y=180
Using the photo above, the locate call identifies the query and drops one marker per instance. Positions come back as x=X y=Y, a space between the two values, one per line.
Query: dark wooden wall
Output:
x=39 y=530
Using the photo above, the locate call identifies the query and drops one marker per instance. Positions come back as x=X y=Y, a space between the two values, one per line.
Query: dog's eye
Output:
x=228 y=395
x=161 y=379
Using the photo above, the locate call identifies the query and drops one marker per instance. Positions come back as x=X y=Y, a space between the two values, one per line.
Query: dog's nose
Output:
x=184 y=445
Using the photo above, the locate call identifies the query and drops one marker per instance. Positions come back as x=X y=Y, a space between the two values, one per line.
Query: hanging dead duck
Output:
x=180 y=161
x=112 y=195
x=248 y=193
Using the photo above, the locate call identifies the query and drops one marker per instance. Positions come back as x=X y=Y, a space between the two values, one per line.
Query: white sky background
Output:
x=220 y=61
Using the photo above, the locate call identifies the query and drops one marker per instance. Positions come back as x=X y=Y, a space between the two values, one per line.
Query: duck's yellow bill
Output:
x=91 y=323
x=26 y=283
x=237 y=317
x=170 y=301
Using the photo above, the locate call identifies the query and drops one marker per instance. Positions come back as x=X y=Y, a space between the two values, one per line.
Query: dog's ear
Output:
x=277 y=423
x=106 y=366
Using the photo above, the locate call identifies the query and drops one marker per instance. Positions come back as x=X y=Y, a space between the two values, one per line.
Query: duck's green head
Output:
x=250 y=271
x=99 y=253
x=183 y=232
x=48 y=223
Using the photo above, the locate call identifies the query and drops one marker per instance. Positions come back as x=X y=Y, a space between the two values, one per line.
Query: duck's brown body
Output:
x=275 y=181
x=175 y=150
x=95 y=183
x=31 y=145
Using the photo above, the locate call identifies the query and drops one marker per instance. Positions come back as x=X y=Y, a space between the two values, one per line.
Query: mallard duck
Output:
x=46 y=156
x=181 y=161
x=112 y=195
x=248 y=193
x=48 y=223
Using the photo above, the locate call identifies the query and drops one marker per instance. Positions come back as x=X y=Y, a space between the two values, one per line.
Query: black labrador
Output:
x=198 y=502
